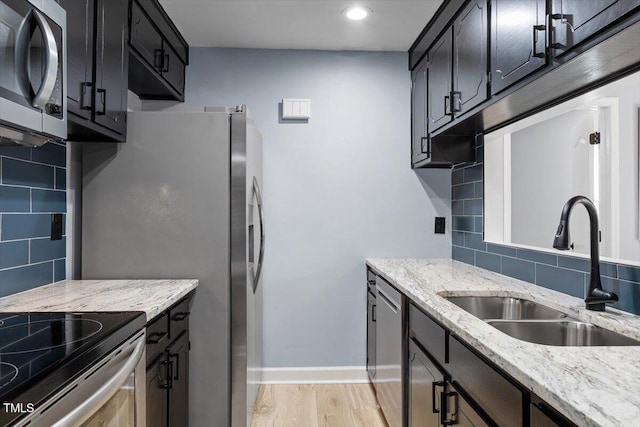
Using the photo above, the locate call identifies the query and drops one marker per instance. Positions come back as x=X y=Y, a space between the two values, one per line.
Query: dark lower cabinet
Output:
x=371 y=335
x=97 y=78
x=449 y=384
x=574 y=21
x=426 y=385
x=168 y=367
x=157 y=397
x=178 y=359
x=518 y=40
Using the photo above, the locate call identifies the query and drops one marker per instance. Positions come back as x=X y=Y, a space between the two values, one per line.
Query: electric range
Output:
x=42 y=353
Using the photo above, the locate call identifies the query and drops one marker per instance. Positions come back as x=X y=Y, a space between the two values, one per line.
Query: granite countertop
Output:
x=593 y=386
x=150 y=296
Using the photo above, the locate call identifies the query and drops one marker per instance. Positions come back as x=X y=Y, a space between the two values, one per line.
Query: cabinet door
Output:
x=157 y=396
x=518 y=46
x=80 y=42
x=439 y=82
x=425 y=386
x=173 y=68
x=371 y=336
x=542 y=415
x=178 y=354
x=146 y=41
x=419 y=129
x=112 y=74
x=470 y=57
x=573 y=21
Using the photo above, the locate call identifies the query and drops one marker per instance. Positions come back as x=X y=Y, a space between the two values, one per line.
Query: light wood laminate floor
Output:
x=317 y=405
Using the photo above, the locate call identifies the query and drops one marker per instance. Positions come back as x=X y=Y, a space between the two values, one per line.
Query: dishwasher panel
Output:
x=389 y=352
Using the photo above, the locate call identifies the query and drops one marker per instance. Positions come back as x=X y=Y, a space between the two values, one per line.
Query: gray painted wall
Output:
x=337 y=189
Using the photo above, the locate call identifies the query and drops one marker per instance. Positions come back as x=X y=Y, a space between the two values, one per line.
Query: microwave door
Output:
x=15 y=109
x=36 y=59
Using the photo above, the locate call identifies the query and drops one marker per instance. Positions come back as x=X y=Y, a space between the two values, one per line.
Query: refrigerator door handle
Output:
x=258 y=196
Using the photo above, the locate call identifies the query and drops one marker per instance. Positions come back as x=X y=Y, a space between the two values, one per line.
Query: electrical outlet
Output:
x=439 y=225
x=56 y=226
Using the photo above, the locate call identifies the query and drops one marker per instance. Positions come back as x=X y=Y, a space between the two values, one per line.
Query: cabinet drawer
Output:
x=157 y=337
x=388 y=291
x=371 y=276
x=179 y=319
x=500 y=398
x=429 y=334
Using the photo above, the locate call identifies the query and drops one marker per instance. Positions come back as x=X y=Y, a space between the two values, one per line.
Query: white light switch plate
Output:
x=296 y=108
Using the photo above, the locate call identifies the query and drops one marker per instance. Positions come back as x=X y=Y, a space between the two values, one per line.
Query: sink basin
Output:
x=487 y=308
x=566 y=332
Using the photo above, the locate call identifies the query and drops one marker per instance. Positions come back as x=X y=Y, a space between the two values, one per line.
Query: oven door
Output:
x=32 y=66
x=112 y=393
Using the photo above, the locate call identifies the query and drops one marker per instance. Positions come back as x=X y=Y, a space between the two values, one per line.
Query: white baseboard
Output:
x=315 y=375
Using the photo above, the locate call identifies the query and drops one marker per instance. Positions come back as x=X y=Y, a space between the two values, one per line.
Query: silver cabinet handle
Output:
x=256 y=192
x=25 y=32
x=85 y=409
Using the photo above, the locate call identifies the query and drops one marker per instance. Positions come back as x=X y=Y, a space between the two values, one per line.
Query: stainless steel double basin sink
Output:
x=529 y=321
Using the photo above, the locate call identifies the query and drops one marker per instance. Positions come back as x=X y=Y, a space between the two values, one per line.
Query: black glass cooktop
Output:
x=42 y=352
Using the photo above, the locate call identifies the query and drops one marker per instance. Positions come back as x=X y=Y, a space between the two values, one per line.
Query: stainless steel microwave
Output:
x=33 y=101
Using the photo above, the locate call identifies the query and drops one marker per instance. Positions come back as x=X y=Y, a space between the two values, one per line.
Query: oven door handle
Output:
x=35 y=18
x=88 y=407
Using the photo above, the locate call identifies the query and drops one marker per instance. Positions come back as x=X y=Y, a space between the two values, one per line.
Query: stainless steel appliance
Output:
x=72 y=369
x=33 y=101
x=181 y=198
x=388 y=378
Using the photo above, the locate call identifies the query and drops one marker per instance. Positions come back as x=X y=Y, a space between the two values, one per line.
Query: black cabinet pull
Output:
x=158 y=56
x=176 y=356
x=456 y=101
x=447 y=106
x=373 y=313
x=180 y=316
x=537 y=28
x=83 y=95
x=103 y=101
x=426 y=151
x=435 y=384
x=155 y=337
x=445 y=408
x=169 y=383
x=165 y=63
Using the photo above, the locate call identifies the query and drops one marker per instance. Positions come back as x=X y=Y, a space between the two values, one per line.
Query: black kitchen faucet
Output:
x=596 y=296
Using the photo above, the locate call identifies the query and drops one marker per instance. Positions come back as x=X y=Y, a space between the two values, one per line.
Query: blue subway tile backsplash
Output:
x=563 y=273
x=32 y=187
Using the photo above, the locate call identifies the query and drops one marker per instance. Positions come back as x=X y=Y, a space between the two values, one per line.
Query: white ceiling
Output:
x=300 y=24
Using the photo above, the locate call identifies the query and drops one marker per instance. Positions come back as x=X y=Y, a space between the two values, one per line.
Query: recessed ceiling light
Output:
x=356 y=13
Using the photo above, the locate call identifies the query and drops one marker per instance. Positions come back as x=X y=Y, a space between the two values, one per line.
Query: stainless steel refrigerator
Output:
x=181 y=199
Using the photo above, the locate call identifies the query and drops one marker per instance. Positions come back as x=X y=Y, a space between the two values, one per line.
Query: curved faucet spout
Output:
x=596 y=296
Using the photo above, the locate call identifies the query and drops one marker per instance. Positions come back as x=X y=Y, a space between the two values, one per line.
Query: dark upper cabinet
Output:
x=439 y=81
x=158 y=53
x=178 y=355
x=80 y=40
x=419 y=123
x=518 y=40
x=470 y=57
x=112 y=65
x=426 y=384
x=97 y=69
x=144 y=38
x=574 y=21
